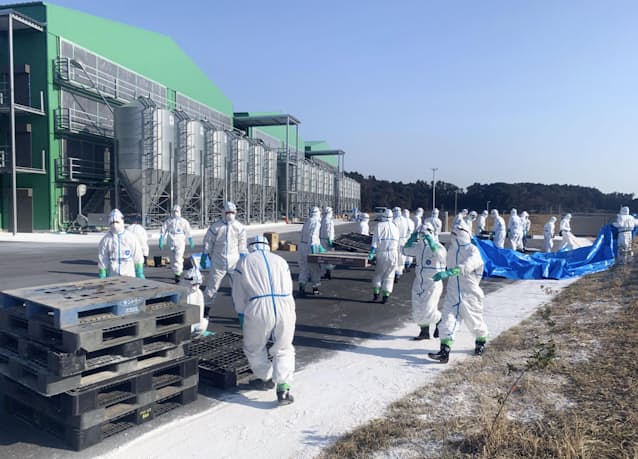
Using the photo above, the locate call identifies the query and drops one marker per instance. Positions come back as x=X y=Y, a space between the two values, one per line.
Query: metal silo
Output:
x=215 y=158
x=255 y=181
x=190 y=151
x=145 y=137
x=238 y=173
x=270 y=184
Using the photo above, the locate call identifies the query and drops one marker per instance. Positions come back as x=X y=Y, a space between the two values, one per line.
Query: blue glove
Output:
x=161 y=242
x=321 y=249
x=431 y=243
x=412 y=239
x=242 y=255
x=240 y=317
x=191 y=243
x=372 y=253
x=445 y=274
x=102 y=274
x=139 y=271
x=203 y=260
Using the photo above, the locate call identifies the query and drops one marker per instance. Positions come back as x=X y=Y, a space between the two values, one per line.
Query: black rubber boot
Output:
x=177 y=278
x=284 y=397
x=384 y=300
x=302 y=290
x=425 y=334
x=396 y=279
x=407 y=268
x=479 y=347
x=436 y=330
x=260 y=384
x=443 y=356
x=375 y=296
x=315 y=291
x=328 y=274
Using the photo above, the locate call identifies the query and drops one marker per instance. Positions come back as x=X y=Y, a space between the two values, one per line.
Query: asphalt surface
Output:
x=340 y=317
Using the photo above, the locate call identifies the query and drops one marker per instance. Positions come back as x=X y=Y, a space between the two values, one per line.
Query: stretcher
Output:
x=340 y=258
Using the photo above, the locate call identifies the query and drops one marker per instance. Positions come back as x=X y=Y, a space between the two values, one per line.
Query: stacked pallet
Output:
x=353 y=242
x=86 y=360
x=222 y=362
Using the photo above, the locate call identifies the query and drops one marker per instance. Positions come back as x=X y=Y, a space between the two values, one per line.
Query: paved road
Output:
x=337 y=319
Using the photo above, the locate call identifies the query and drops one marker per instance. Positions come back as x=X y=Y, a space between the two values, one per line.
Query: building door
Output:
x=25 y=210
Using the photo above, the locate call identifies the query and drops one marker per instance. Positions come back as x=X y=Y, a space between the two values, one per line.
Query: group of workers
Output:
x=260 y=281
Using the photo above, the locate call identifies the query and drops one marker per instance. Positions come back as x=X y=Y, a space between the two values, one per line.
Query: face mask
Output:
x=177 y=213
x=117 y=227
x=230 y=217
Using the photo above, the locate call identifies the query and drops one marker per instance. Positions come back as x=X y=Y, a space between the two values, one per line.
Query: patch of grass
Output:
x=564 y=383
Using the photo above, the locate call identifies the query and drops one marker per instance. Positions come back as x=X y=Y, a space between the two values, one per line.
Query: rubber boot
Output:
x=284 y=397
x=407 y=268
x=425 y=333
x=375 y=294
x=315 y=291
x=479 y=347
x=302 y=289
x=178 y=278
x=443 y=356
x=396 y=278
x=328 y=274
x=385 y=297
x=436 y=330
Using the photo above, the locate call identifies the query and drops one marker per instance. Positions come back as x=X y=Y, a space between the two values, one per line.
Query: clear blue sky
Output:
x=514 y=91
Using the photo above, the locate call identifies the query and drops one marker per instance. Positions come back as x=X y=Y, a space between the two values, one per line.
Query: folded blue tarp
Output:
x=555 y=265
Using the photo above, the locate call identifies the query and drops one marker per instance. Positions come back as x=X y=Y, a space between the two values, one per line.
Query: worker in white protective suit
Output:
x=548 y=234
x=402 y=224
x=568 y=241
x=192 y=279
x=176 y=230
x=526 y=224
x=140 y=233
x=515 y=230
x=224 y=245
x=411 y=228
x=470 y=218
x=262 y=295
x=364 y=224
x=463 y=301
x=384 y=247
x=119 y=252
x=499 y=229
x=462 y=215
x=430 y=258
x=481 y=223
x=310 y=243
x=417 y=218
x=625 y=223
x=436 y=223
x=327 y=237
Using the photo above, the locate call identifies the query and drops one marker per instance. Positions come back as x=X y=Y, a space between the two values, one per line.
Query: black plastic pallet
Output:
x=94 y=336
x=78 y=438
x=225 y=370
x=108 y=393
x=67 y=364
x=40 y=380
x=73 y=303
x=210 y=346
x=353 y=242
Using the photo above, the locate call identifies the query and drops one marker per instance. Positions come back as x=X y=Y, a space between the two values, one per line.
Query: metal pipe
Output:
x=12 y=122
x=287 y=172
x=434 y=169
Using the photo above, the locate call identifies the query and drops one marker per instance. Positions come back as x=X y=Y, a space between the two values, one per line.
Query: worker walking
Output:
x=119 y=252
x=436 y=223
x=140 y=233
x=402 y=225
x=411 y=228
x=515 y=230
x=262 y=295
x=499 y=229
x=464 y=297
x=327 y=237
x=568 y=241
x=192 y=279
x=176 y=230
x=625 y=224
x=310 y=243
x=430 y=258
x=364 y=224
x=224 y=245
x=548 y=234
x=481 y=224
x=384 y=246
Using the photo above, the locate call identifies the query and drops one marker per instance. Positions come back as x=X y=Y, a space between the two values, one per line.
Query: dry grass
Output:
x=575 y=364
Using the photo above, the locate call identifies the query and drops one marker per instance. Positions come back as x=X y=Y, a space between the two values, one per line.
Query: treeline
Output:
x=533 y=197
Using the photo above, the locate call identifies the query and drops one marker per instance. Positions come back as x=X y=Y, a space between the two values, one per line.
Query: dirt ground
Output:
x=561 y=385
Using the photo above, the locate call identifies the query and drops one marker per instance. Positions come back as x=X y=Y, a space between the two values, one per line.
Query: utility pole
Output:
x=434 y=169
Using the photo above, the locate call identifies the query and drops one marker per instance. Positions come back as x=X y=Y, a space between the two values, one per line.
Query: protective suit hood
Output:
x=624 y=210
x=461 y=234
x=259 y=243
x=435 y=213
x=177 y=211
x=116 y=221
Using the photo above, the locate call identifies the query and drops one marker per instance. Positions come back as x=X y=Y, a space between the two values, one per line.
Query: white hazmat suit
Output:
x=499 y=229
x=568 y=241
x=481 y=223
x=625 y=223
x=310 y=243
x=224 y=245
x=142 y=237
x=548 y=234
x=402 y=225
x=463 y=301
x=385 y=243
x=192 y=279
x=119 y=252
x=262 y=292
x=436 y=223
x=430 y=258
x=515 y=230
x=417 y=218
x=327 y=237
x=364 y=224
x=411 y=228
x=176 y=230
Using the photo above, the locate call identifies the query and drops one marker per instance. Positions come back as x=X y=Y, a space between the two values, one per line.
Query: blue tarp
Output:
x=555 y=265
